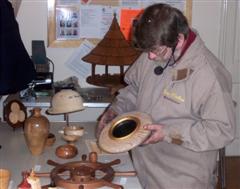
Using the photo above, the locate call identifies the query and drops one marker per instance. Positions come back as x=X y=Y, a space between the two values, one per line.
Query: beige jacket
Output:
x=192 y=99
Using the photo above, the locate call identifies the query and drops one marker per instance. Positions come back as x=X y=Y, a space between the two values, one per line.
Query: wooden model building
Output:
x=112 y=50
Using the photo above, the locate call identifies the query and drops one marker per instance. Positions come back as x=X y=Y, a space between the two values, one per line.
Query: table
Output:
x=92 y=98
x=14 y=155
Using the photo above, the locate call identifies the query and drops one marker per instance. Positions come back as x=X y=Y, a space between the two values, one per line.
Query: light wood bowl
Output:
x=124 y=132
x=74 y=130
x=70 y=138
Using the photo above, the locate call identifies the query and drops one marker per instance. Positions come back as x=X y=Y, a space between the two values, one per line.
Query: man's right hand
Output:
x=106 y=118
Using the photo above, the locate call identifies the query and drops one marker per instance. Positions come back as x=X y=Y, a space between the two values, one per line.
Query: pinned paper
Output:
x=127 y=17
x=77 y=64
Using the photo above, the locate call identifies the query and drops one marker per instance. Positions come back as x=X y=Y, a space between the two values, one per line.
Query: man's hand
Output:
x=157 y=134
x=106 y=118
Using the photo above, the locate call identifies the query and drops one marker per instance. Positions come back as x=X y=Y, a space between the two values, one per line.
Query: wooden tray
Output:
x=124 y=132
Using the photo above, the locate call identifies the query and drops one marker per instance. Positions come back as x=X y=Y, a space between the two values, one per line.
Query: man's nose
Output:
x=151 y=55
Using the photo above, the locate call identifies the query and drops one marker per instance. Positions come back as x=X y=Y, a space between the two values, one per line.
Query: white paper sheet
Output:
x=107 y=14
x=95 y=20
x=90 y=21
x=67 y=23
x=76 y=63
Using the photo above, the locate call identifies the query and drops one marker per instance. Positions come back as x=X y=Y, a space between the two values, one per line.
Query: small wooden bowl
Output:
x=74 y=130
x=50 y=140
x=70 y=138
x=66 y=151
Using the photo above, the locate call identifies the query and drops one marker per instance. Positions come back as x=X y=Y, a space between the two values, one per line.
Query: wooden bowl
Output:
x=74 y=130
x=50 y=140
x=124 y=132
x=66 y=151
x=70 y=138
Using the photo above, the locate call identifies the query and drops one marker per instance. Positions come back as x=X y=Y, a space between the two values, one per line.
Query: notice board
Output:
x=72 y=21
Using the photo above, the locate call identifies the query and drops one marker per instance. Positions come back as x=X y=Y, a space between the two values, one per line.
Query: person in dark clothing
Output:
x=16 y=67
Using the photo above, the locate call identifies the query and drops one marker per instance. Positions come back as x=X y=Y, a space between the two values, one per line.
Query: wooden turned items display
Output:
x=36 y=130
x=124 y=132
x=85 y=174
x=112 y=50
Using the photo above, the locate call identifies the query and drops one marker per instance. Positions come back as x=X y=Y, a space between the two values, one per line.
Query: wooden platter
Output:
x=15 y=113
x=124 y=132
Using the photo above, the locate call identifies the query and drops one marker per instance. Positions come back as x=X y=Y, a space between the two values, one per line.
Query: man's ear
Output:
x=181 y=41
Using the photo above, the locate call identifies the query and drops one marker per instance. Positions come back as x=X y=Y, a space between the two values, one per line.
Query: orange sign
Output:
x=127 y=17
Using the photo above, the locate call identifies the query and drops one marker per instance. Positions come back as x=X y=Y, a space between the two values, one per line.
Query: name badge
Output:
x=172 y=96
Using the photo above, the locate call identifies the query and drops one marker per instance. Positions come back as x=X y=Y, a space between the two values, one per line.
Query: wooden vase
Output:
x=36 y=130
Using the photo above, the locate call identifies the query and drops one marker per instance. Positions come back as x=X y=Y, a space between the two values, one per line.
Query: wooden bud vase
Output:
x=36 y=130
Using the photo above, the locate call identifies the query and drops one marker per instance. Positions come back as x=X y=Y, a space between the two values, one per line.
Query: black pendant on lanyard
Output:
x=159 y=69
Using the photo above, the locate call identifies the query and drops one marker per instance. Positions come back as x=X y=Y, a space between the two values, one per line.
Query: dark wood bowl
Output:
x=66 y=151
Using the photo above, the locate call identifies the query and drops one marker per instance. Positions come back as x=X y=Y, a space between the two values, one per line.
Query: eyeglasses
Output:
x=159 y=50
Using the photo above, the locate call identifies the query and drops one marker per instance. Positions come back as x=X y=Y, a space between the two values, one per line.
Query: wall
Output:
x=229 y=53
x=32 y=19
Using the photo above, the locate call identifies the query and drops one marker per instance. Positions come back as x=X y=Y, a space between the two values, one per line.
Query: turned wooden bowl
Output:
x=66 y=151
x=124 y=132
x=50 y=139
x=70 y=138
x=74 y=130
